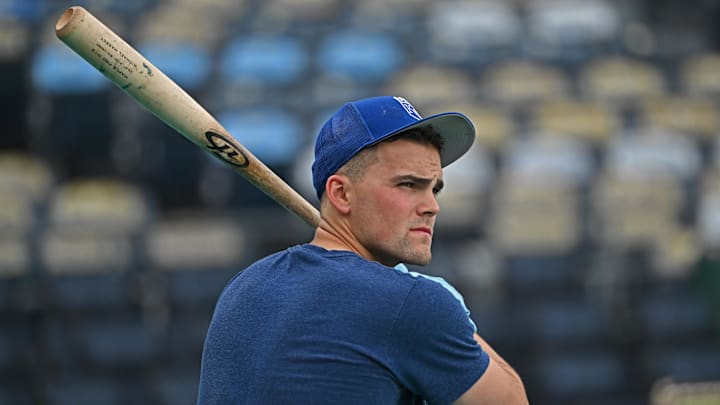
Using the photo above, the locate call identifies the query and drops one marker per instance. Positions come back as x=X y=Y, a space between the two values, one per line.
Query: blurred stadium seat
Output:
x=674 y=315
x=520 y=82
x=175 y=387
x=295 y=15
x=698 y=75
x=567 y=322
x=695 y=116
x=684 y=363
x=572 y=30
x=668 y=392
x=404 y=18
x=187 y=64
x=25 y=183
x=591 y=122
x=365 y=57
x=651 y=151
x=630 y=212
x=534 y=219
x=180 y=21
x=17 y=347
x=425 y=85
x=116 y=344
x=88 y=249
x=473 y=33
x=540 y=156
x=574 y=229
x=620 y=80
x=14 y=50
x=708 y=211
x=494 y=126
x=80 y=123
x=263 y=60
x=197 y=256
x=275 y=135
x=464 y=201
x=570 y=375
x=84 y=388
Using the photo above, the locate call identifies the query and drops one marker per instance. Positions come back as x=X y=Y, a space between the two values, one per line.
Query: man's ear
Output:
x=338 y=192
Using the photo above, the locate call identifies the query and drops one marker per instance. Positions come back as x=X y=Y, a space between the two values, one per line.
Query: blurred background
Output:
x=583 y=228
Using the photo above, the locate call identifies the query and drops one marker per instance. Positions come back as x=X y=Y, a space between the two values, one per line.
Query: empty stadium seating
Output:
x=582 y=227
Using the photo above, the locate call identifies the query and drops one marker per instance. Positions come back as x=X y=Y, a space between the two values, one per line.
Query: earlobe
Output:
x=337 y=190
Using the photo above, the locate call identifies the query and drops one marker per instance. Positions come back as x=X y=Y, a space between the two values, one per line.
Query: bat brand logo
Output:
x=225 y=149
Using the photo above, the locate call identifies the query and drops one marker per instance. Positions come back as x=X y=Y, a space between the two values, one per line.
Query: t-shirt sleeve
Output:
x=433 y=351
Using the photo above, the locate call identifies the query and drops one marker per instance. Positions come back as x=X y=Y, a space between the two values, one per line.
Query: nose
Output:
x=430 y=205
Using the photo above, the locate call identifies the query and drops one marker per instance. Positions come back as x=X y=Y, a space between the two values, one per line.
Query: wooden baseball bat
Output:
x=141 y=80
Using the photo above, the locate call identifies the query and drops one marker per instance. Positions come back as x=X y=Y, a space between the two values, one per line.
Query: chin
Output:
x=417 y=260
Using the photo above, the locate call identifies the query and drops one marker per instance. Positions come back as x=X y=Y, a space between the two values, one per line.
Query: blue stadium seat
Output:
x=684 y=363
x=187 y=336
x=16 y=393
x=568 y=374
x=263 y=60
x=176 y=387
x=17 y=347
x=58 y=70
x=567 y=322
x=536 y=274
x=80 y=125
x=187 y=64
x=674 y=315
x=87 y=293
x=114 y=344
x=29 y=11
x=273 y=135
x=83 y=388
x=366 y=57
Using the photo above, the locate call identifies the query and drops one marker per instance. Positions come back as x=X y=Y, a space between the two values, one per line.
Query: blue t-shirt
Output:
x=311 y=326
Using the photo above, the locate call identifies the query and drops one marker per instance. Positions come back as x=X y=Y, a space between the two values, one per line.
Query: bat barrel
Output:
x=149 y=86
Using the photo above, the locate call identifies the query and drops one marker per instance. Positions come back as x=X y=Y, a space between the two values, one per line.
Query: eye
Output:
x=436 y=190
x=408 y=184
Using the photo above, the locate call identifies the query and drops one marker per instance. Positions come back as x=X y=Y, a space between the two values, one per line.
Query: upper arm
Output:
x=431 y=348
x=498 y=385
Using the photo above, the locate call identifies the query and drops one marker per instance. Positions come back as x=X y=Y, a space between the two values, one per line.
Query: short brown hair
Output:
x=358 y=164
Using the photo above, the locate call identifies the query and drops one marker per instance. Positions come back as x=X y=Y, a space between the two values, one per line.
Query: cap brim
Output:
x=457 y=131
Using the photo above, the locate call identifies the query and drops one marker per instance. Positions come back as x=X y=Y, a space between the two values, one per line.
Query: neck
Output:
x=337 y=236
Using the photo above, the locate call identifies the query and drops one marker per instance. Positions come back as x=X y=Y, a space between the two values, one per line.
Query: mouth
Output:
x=423 y=229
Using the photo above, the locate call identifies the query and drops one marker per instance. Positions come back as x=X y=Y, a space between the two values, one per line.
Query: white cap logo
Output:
x=408 y=108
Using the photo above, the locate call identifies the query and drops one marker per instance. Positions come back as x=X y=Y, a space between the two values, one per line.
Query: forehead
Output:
x=408 y=154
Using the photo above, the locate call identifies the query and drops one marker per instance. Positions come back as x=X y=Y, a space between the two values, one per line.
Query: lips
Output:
x=424 y=229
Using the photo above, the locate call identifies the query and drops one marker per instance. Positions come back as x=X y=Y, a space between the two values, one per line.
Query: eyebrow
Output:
x=422 y=181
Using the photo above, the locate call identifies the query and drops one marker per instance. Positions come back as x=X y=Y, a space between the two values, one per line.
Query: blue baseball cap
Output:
x=362 y=123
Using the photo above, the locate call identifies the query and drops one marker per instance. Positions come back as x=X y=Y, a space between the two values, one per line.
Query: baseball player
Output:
x=340 y=320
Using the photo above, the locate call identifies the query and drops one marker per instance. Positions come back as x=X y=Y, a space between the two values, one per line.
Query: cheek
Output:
x=380 y=216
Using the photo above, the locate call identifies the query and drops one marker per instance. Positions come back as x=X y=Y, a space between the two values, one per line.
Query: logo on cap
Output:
x=408 y=108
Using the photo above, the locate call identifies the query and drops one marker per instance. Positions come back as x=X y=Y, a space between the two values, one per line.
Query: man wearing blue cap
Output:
x=340 y=320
